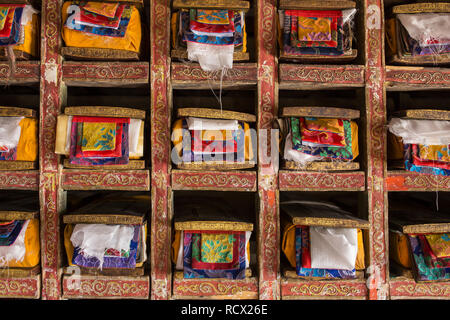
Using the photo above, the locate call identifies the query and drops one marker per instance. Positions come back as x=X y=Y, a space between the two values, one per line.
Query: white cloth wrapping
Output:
x=133 y=135
x=213 y=34
x=16 y=251
x=69 y=130
x=27 y=14
x=10 y=131
x=429 y=132
x=179 y=265
x=294 y=155
x=211 y=124
x=211 y=57
x=424 y=27
x=94 y=239
x=333 y=248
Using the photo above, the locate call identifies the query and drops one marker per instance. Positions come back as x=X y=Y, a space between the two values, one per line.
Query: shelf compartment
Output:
x=315 y=77
x=321 y=181
x=19 y=180
x=105 y=73
x=415 y=78
x=399 y=180
x=292 y=289
x=135 y=180
x=104 y=287
x=214 y=180
x=20 y=287
x=214 y=288
x=407 y=288
x=208 y=4
x=191 y=76
x=27 y=72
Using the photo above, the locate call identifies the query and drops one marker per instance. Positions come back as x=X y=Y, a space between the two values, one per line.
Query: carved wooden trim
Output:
x=136 y=180
x=411 y=181
x=220 y=181
x=22 y=288
x=321 y=181
x=294 y=75
x=105 y=73
x=26 y=72
x=94 y=287
x=19 y=180
x=326 y=289
x=404 y=288
x=398 y=78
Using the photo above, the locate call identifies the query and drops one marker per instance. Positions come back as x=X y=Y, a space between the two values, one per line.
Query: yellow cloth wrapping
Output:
x=434 y=152
x=69 y=246
x=96 y=132
x=395 y=147
x=313 y=25
x=391 y=37
x=398 y=249
x=32 y=247
x=102 y=8
x=27 y=148
x=61 y=134
x=439 y=244
x=130 y=42
x=177 y=138
x=355 y=144
x=176 y=247
x=288 y=247
x=30 y=43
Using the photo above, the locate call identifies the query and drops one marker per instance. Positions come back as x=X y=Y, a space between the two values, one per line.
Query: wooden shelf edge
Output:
x=19 y=180
x=401 y=180
x=321 y=181
x=21 y=288
x=27 y=72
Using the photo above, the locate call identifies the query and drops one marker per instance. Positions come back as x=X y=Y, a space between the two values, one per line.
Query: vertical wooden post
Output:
x=161 y=273
x=376 y=149
x=269 y=226
x=49 y=189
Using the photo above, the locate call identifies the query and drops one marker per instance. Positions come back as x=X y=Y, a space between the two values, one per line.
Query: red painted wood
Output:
x=297 y=289
x=418 y=77
x=321 y=181
x=411 y=181
x=19 y=180
x=23 y=288
x=213 y=180
x=25 y=73
x=409 y=289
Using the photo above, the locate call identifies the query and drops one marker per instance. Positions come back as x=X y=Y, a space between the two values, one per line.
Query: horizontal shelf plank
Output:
x=191 y=76
x=321 y=166
x=19 y=180
x=323 y=289
x=325 y=112
x=132 y=165
x=105 y=74
x=78 y=53
x=400 y=180
x=18 y=215
x=134 y=180
x=414 y=78
x=104 y=111
x=321 y=181
x=299 y=76
x=103 y=218
x=20 y=287
x=107 y=272
x=321 y=5
x=214 y=288
x=313 y=58
x=105 y=287
x=208 y=4
x=215 y=165
x=238 y=56
x=26 y=72
x=214 y=180
x=19 y=272
x=216 y=114
x=407 y=288
x=426 y=114
x=421 y=8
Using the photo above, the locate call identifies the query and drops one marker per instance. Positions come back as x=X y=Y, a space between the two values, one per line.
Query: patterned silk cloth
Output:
x=214 y=254
x=321 y=138
x=316 y=32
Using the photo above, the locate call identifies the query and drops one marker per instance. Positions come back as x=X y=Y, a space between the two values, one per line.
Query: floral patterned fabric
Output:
x=440 y=244
x=414 y=163
x=3 y=15
x=302 y=245
x=98 y=136
x=214 y=17
x=194 y=251
x=10 y=35
x=426 y=269
x=97 y=20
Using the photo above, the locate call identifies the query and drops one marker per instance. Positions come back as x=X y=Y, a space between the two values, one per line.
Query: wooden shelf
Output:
x=20 y=287
x=400 y=180
x=19 y=180
x=214 y=288
x=312 y=58
x=105 y=74
x=316 y=5
x=208 y=4
x=424 y=114
x=407 y=288
x=321 y=181
x=182 y=54
x=27 y=72
x=132 y=165
x=77 y=179
x=103 y=287
x=416 y=78
x=300 y=289
x=191 y=76
x=317 y=77
x=214 y=180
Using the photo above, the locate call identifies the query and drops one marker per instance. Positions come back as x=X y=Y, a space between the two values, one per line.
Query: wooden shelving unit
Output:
x=269 y=79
